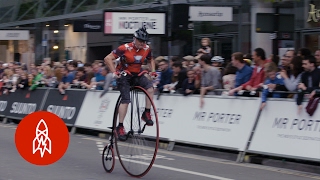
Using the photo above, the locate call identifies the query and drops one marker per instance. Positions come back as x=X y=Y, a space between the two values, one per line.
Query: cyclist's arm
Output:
x=152 y=65
x=109 y=62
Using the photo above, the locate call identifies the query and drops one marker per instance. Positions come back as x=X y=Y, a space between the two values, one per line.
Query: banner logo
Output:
x=42 y=138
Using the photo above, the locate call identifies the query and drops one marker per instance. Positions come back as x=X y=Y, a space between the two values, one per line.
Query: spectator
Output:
x=98 y=77
x=48 y=78
x=100 y=84
x=30 y=79
x=175 y=59
x=257 y=76
x=23 y=84
x=66 y=80
x=89 y=72
x=217 y=61
x=310 y=79
x=273 y=77
x=197 y=75
x=166 y=74
x=243 y=73
x=209 y=78
x=191 y=65
x=304 y=52
x=8 y=80
x=286 y=61
x=205 y=47
x=36 y=80
x=188 y=85
x=108 y=78
x=189 y=62
x=181 y=75
x=291 y=81
x=229 y=77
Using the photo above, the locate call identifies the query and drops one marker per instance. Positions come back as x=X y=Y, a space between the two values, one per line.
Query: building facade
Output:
x=53 y=35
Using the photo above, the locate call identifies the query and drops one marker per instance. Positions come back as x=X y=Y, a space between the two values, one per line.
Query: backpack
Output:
x=312 y=105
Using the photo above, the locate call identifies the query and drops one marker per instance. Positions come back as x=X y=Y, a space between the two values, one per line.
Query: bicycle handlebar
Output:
x=126 y=72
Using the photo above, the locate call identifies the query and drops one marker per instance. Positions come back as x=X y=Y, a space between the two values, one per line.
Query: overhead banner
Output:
x=87 y=26
x=14 y=35
x=128 y=22
x=66 y=106
x=20 y=103
x=283 y=132
x=204 y=13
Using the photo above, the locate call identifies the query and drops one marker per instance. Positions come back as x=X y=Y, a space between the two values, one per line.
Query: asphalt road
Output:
x=82 y=161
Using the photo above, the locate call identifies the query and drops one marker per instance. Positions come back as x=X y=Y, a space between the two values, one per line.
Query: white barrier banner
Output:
x=225 y=122
x=97 y=113
x=282 y=131
x=167 y=109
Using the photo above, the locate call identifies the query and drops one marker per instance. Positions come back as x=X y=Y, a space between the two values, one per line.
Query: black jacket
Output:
x=315 y=76
x=181 y=77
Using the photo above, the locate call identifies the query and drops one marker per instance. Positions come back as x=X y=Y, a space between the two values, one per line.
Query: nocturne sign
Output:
x=128 y=22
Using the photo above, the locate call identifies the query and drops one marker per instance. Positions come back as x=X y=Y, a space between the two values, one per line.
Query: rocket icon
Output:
x=42 y=141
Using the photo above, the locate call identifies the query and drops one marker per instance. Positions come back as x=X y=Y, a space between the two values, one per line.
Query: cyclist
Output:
x=132 y=56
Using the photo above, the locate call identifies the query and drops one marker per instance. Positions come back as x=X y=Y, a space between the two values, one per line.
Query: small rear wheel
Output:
x=108 y=159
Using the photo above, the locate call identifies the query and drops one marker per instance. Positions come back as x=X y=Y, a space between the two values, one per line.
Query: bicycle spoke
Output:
x=138 y=152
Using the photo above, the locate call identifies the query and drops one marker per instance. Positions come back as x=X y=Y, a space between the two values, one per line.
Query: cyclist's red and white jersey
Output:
x=131 y=57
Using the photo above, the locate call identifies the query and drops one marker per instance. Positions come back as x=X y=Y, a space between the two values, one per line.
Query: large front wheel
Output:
x=138 y=153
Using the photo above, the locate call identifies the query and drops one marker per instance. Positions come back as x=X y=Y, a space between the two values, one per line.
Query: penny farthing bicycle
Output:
x=138 y=153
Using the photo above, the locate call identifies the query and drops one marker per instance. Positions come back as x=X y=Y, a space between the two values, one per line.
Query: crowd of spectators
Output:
x=61 y=75
x=297 y=74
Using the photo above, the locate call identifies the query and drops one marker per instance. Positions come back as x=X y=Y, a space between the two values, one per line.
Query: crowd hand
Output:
x=302 y=86
x=188 y=91
x=300 y=109
x=262 y=105
x=231 y=92
x=271 y=86
x=201 y=102
x=249 y=88
x=165 y=88
x=21 y=85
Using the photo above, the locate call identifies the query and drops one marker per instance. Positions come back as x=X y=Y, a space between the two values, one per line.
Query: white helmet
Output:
x=217 y=59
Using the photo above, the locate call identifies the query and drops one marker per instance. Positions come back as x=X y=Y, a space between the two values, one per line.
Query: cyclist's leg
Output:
x=145 y=83
x=124 y=88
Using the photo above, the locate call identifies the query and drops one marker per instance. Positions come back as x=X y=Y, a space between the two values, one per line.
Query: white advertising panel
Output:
x=14 y=35
x=282 y=131
x=128 y=22
x=221 y=122
x=97 y=113
x=167 y=107
x=200 y=13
